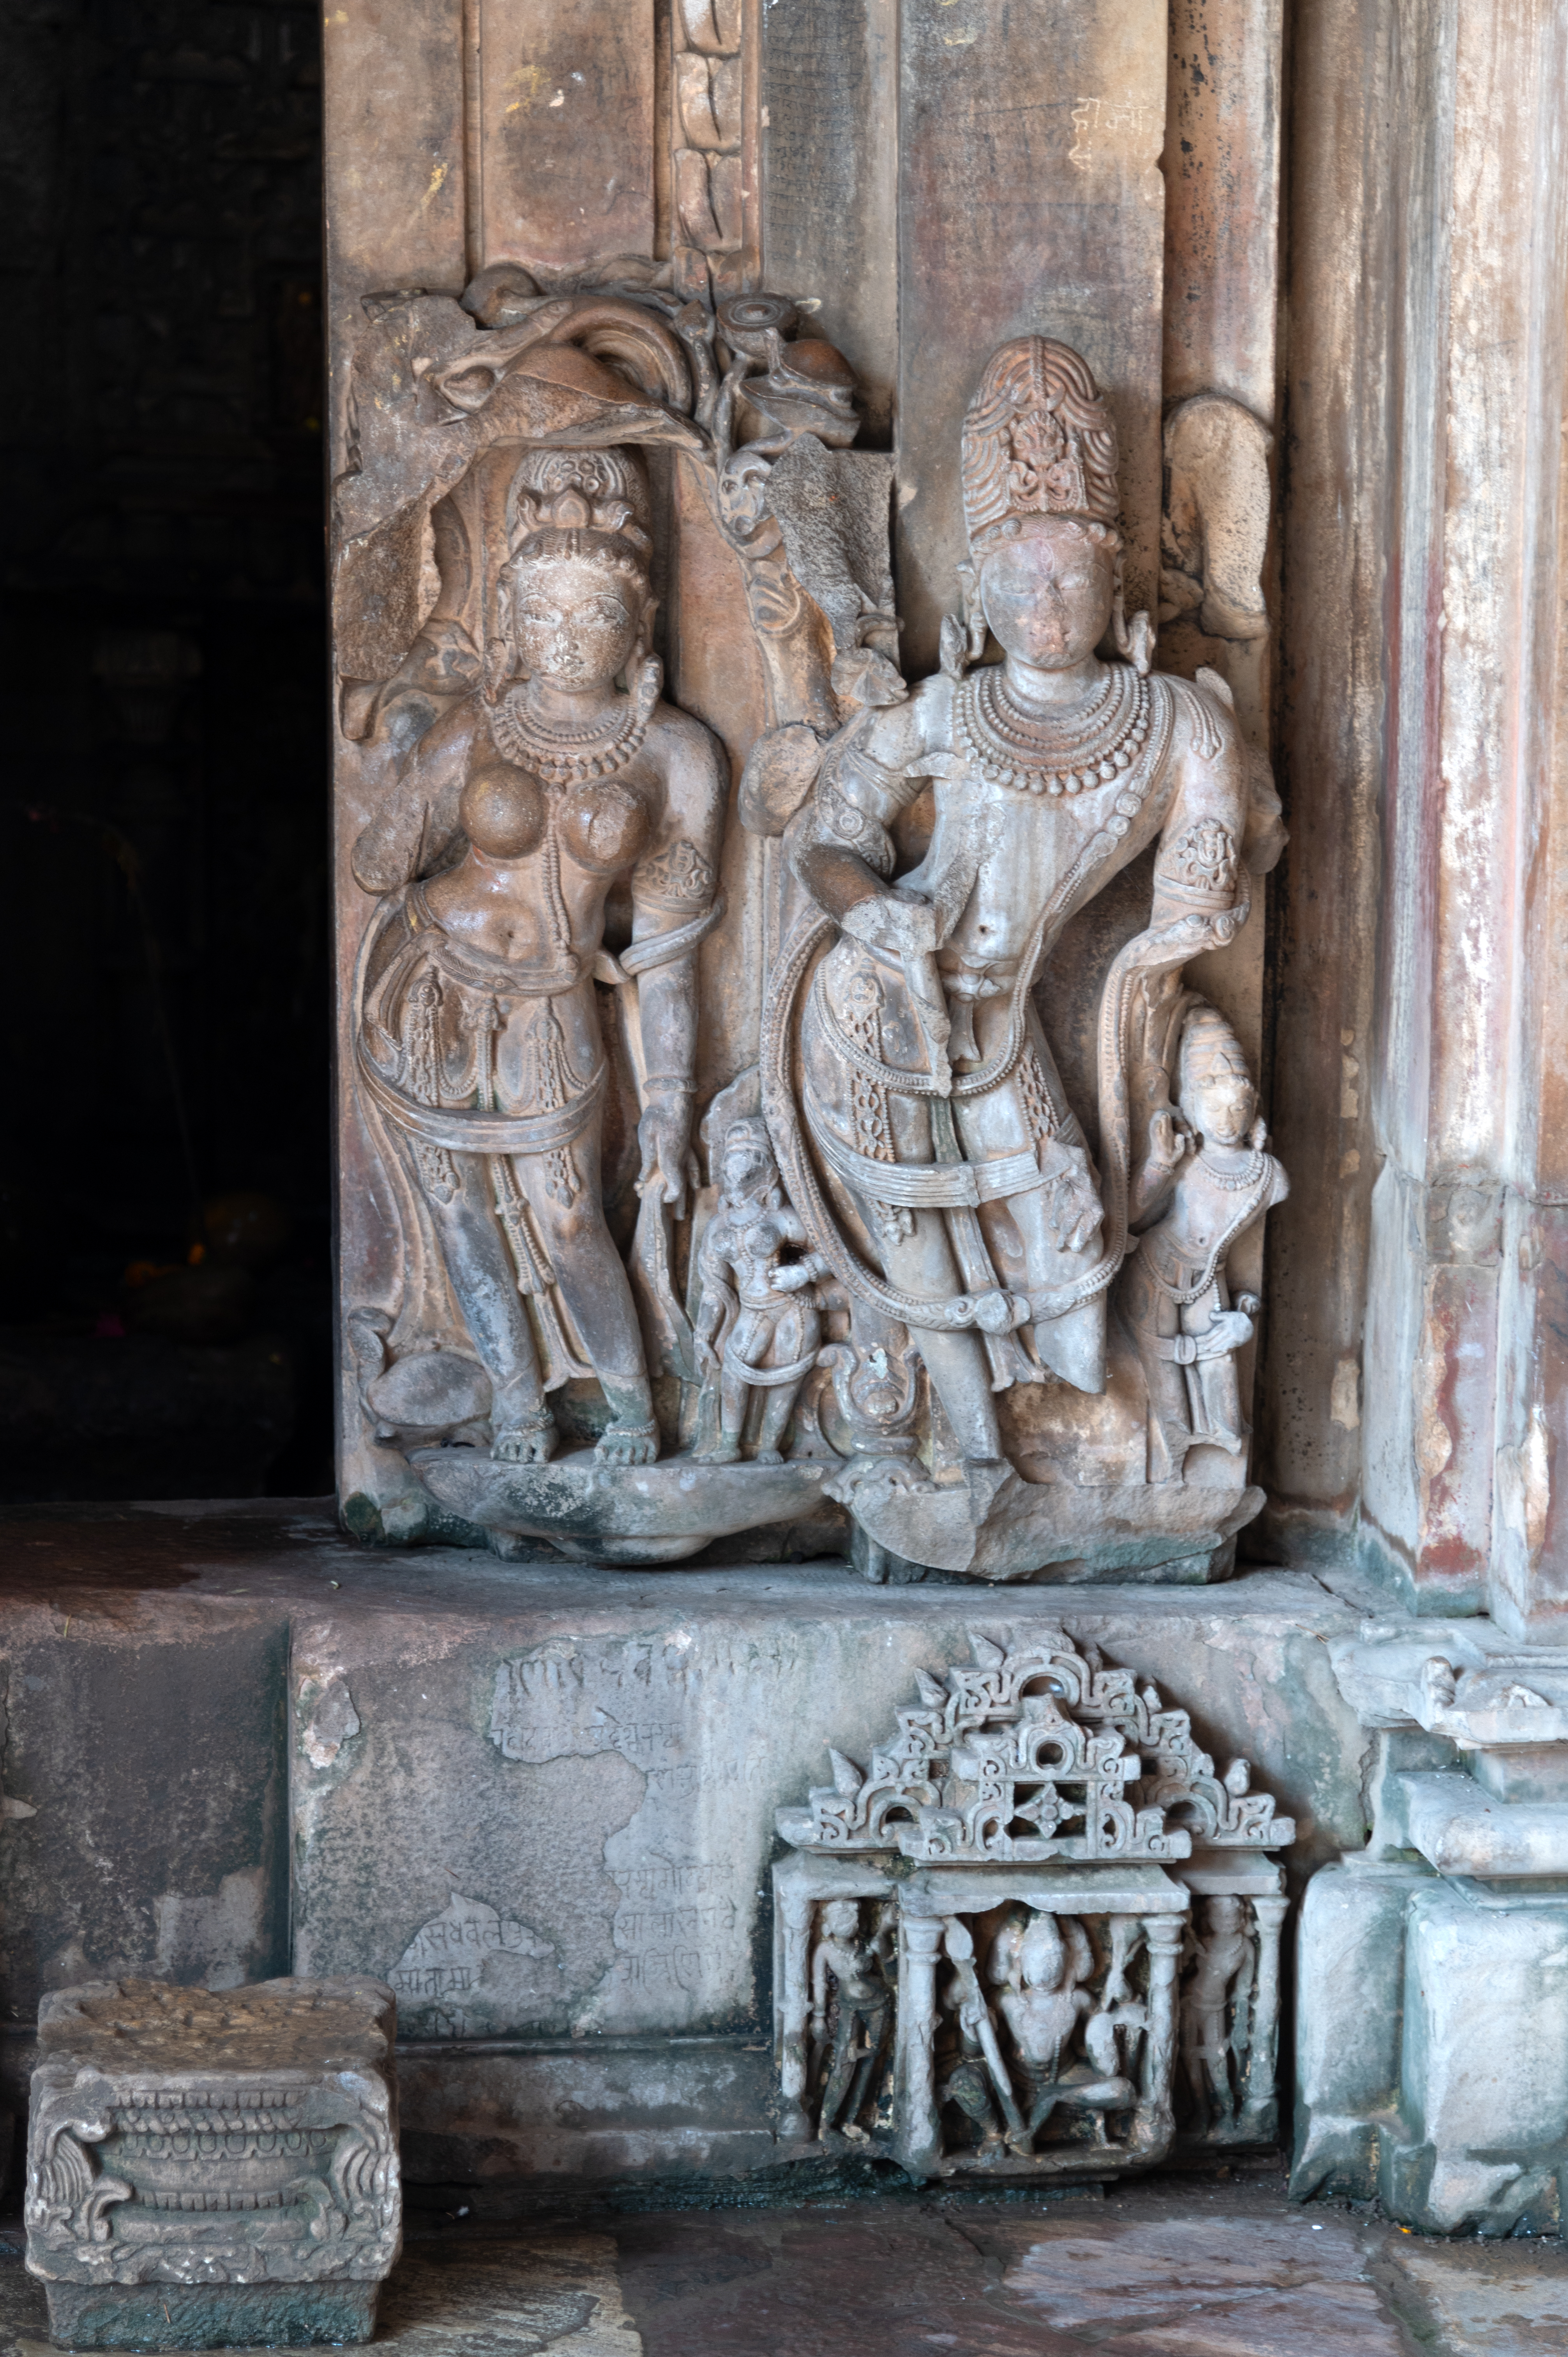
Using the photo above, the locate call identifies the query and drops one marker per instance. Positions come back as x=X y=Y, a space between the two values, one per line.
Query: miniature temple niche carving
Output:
x=1038 y=1935
x=976 y=1289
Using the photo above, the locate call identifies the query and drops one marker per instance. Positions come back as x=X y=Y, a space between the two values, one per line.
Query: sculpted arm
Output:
x=1200 y=883
x=416 y=826
x=796 y=1274
x=839 y=847
x=673 y=885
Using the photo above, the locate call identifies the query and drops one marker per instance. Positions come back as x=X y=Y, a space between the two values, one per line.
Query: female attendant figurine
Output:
x=939 y=1132
x=760 y=1324
x=480 y=1041
x=852 y=1968
x=1199 y=1189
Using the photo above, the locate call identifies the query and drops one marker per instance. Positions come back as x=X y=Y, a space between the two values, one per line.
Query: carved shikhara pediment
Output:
x=1040 y=1752
x=1037 y=1937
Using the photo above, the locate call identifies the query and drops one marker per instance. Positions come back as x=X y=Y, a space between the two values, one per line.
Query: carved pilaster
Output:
x=1259 y=2097
x=919 y=2136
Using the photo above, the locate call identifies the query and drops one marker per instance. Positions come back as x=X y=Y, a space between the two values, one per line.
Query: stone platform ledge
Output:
x=560 y=1779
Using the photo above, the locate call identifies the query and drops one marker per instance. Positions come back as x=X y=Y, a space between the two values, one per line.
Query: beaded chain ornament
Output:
x=564 y=757
x=1040 y=756
x=1234 y=1181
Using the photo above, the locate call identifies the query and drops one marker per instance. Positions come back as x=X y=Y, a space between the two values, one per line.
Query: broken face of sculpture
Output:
x=1046 y=593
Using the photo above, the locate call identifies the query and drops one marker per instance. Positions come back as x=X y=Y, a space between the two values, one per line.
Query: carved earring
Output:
x=498 y=667
x=1134 y=641
x=498 y=661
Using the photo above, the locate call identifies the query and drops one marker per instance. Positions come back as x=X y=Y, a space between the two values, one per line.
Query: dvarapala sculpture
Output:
x=932 y=1253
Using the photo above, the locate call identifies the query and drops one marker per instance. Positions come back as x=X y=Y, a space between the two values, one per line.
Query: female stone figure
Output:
x=940 y=1135
x=852 y=1968
x=760 y=1320
x=480 y=1041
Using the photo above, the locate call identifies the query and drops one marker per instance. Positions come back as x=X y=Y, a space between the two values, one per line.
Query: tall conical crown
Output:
x=1038 y=439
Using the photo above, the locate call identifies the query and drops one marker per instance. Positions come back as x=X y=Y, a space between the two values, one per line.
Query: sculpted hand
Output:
x=664 y=1135
x=793 y=1277
x=1170 y=1142
x=1227 y=1330
x=1072 y=1200
x=900 y=924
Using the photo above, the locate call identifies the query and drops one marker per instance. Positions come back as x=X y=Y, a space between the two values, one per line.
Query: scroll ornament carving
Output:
x=244 y=2139
x=1019 y=1946
x=1005 y=1333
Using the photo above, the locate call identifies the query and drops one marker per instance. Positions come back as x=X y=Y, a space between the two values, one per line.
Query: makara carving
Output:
x=1083 y=1963
x=979 y=1295
x=205 y=2169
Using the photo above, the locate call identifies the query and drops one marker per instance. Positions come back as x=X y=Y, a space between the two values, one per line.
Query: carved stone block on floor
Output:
x=208 y=2170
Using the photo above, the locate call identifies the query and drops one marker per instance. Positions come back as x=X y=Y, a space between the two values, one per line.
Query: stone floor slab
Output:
x=1484 y=2300
x=1168 y=2268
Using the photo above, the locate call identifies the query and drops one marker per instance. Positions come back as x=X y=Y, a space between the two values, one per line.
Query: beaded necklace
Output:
x=1093 y=743
x=562 y=757
x=1235 y=1181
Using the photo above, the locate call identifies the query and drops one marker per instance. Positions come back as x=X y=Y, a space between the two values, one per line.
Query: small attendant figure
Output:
x=864 y=2010
x=1216 y=2010
x=760 y=1323
x=1205 y=1180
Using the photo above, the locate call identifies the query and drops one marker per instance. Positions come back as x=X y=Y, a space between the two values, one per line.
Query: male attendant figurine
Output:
x=1208 y=1180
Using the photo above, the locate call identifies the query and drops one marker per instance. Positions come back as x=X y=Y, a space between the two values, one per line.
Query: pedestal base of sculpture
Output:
x=1064 y=1530
x=209 y=2316
x=205 y=2169
x=597 y=1513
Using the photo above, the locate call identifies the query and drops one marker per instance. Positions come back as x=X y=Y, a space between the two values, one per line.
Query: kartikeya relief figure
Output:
x=929 y=1140
x=1051 y=2015
x=560 y=782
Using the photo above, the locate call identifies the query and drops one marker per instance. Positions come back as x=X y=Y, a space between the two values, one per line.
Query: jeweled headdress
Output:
x=1207 y=1044
x=603 y=491
x=1037 y=440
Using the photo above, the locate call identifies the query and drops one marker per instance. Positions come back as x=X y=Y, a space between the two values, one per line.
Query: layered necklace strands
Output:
x=1085 y=748
x=564 y=757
